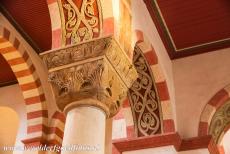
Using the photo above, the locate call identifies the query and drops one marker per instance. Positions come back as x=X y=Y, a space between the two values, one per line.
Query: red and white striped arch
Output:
x=56 y=129
x=219 y=99
x=19 y=60
x=126 y=114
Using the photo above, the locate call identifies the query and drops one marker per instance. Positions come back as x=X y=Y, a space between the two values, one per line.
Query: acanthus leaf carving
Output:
x=97 y=69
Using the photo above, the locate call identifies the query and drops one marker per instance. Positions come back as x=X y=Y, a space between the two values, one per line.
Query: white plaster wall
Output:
x=143 y=21
x=161 y=150
x=40 y=67
x=11 y=96
x=197 y=79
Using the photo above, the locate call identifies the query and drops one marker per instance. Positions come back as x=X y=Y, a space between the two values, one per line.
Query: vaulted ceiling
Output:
x=31 y=18
x=190 y=27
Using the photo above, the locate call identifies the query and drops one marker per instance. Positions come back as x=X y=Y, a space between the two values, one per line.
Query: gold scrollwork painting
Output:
x=81 y=20
x=220 y=120
x=143 y=98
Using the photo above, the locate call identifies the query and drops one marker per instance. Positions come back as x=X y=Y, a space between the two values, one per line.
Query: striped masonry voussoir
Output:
x=16 y=61
x=3 y=40
x=35 y=107
x=168 y=126
x=7 y=50
x=60 y=116
x=37 y=121
x=54 y=142
x=25 y=72
x=37 y=128
x=162 y=90
x=27 y=79
x=32 y=138
x=32 y=93
x=18 y=58
x=57 y=131
x=35 y=99
x=207 y=113
x=145 y=47
x=31 y=85
x=166 y=110
x=203 y=129
x=158 y=74
x=16 y=43
x=6 y=33
x=37 y=114
x=58 y=123
x=54 y=139
x=5 y=44
x=12 y=55
x=21 y=67
x=218 y=100
x=55 y=23
x=25 y=56
x=151 y=57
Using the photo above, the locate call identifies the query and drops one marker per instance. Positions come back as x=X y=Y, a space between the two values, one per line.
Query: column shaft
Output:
x=85 y=126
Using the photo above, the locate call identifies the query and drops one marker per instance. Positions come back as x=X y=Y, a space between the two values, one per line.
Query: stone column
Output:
x=89 y=81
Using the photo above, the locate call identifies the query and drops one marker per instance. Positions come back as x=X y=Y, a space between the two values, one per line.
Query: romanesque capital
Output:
x=97 y=70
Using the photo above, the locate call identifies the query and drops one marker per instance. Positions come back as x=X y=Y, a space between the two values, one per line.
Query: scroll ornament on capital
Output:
x=97 y=70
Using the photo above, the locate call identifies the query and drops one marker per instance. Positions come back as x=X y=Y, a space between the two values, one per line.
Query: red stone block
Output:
x=168 y=126
x=162 y=91
x=151 y=57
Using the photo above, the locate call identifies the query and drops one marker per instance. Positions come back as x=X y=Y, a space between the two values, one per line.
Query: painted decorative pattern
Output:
x=220 y=120
x=81 y=20
x=144 y=98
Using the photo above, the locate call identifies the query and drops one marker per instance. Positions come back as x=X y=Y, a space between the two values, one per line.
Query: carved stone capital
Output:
x=97 y=69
